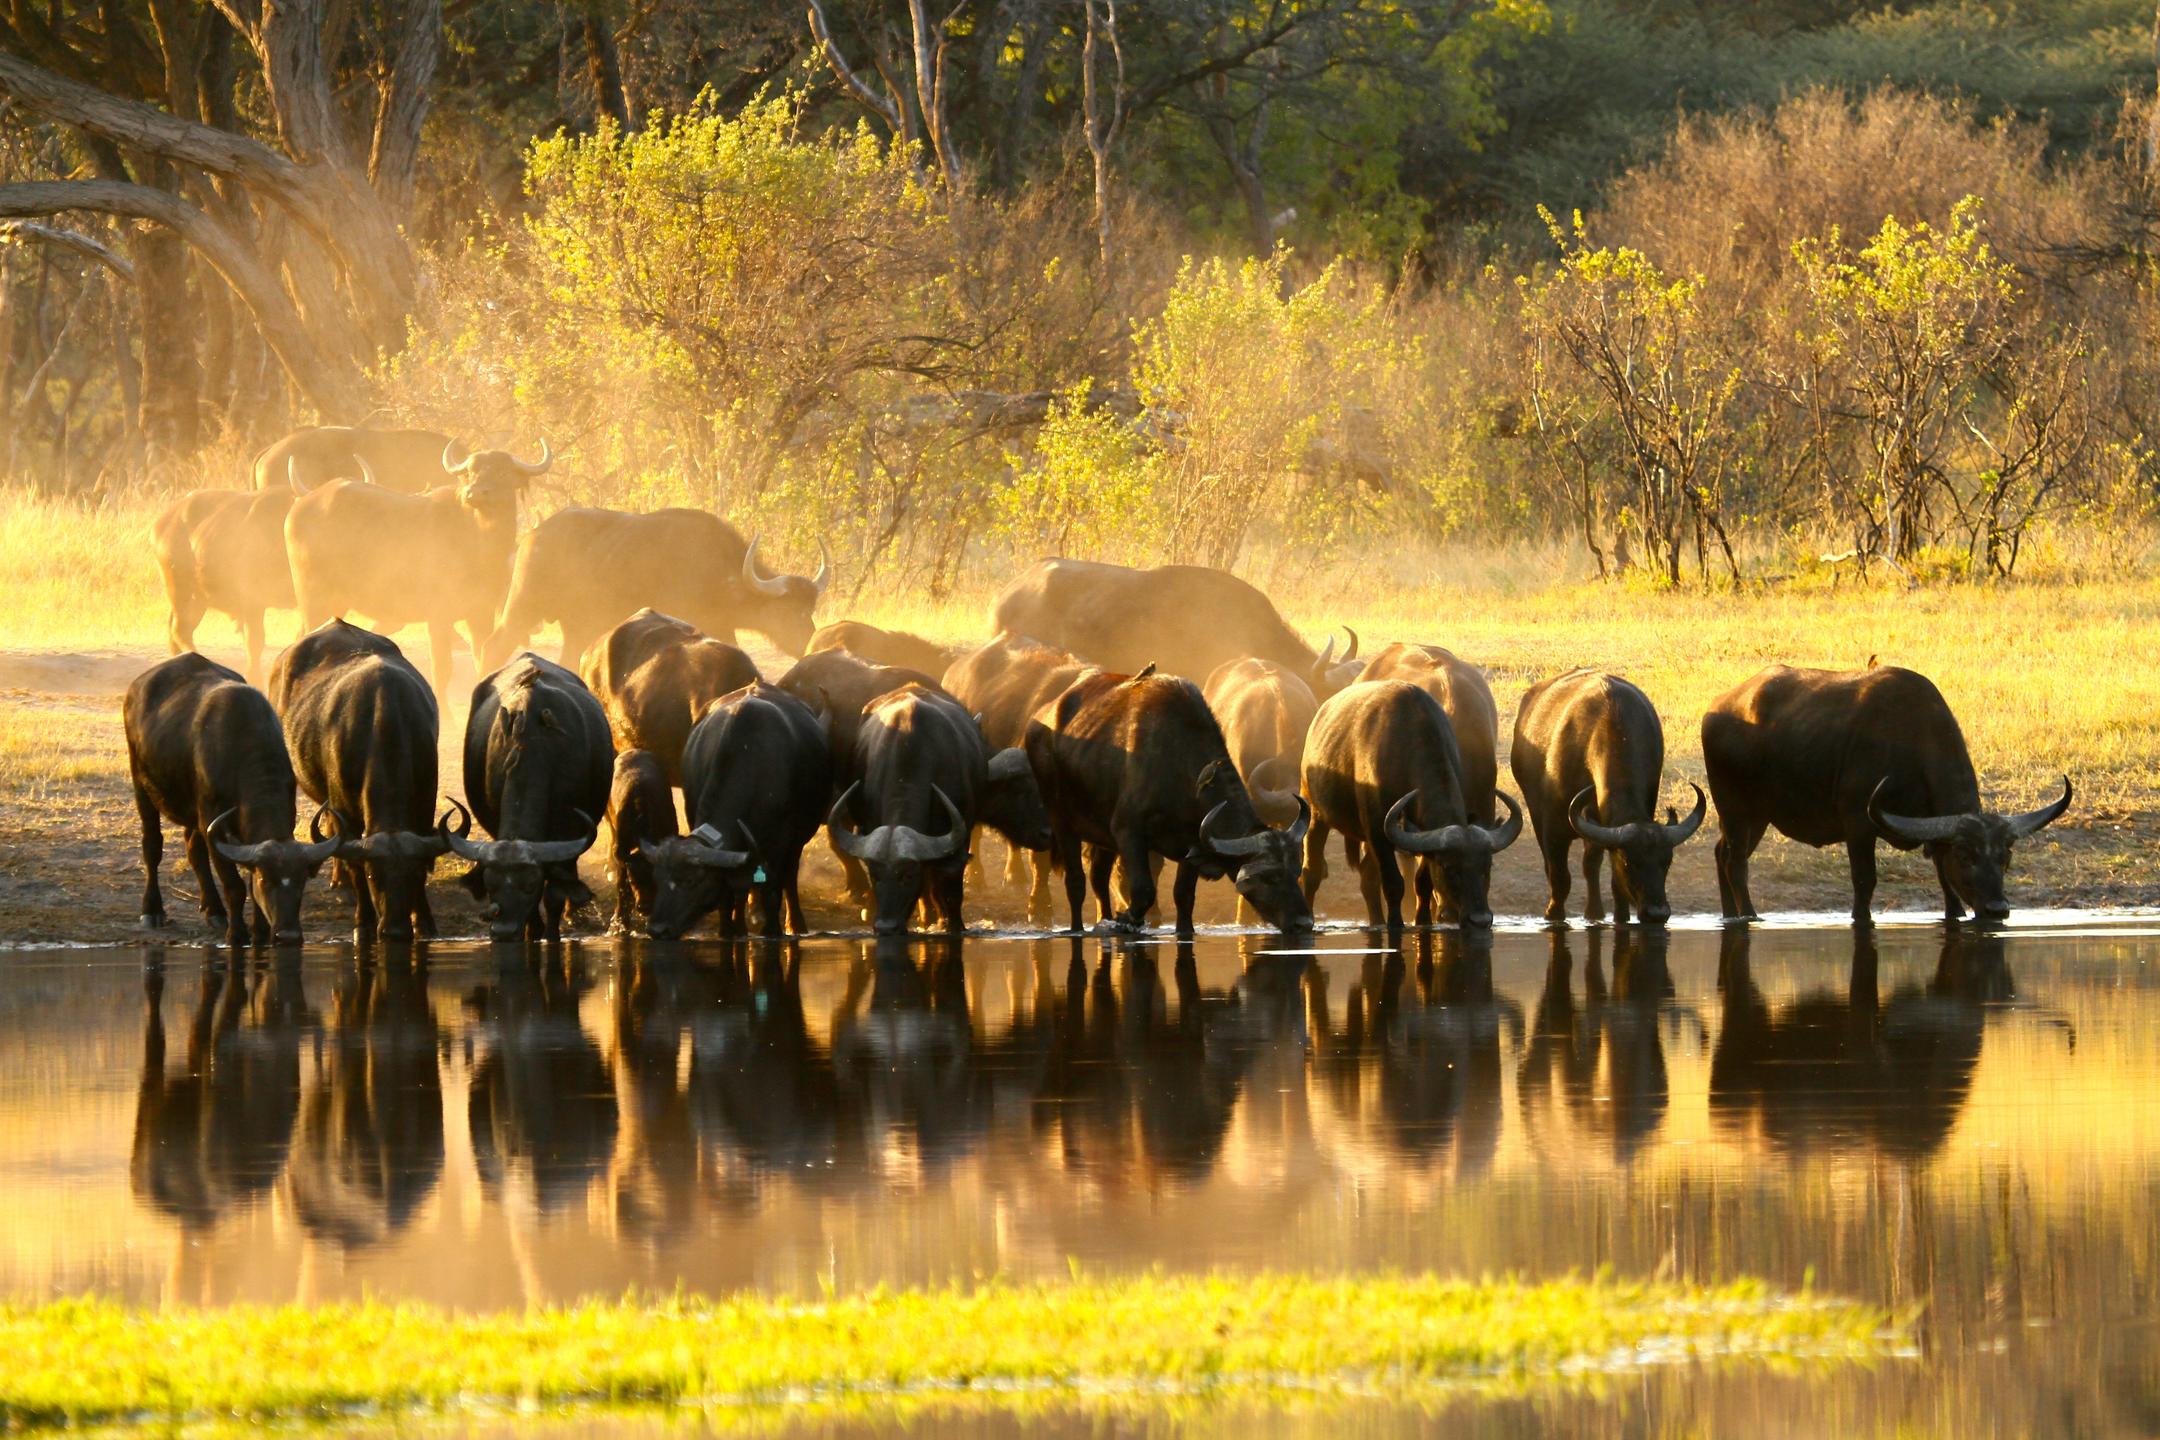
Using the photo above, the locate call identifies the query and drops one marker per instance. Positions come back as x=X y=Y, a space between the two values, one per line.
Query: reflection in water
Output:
x=542 y=1104
x=1597 y=1069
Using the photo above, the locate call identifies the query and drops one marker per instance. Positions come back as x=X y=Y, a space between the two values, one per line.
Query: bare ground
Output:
x=71 y=869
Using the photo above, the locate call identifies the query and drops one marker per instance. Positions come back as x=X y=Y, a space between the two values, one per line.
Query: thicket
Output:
x=1881 y=332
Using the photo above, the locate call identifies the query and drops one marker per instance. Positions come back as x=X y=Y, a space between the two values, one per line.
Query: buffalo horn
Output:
x=1251 y=844
x=536 y=467
x=1274 y=801
x=1680 y=834
x=1505 y=833
x=753 y=579
x=846 y=841
x=455 y=466
x=367 y=471
x=238 y=854
x=2048 y=814
x=1445 y=840
x=320 y=849
x=292 y=476
x=1913 y=830
x=823 y=578
x=898 y=842
x=1605 y=837
x=456 y=840
x=1008 y=764
x=704 y=848
x=554 y=852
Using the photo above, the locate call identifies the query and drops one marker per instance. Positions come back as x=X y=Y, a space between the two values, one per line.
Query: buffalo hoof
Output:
x=153 y=920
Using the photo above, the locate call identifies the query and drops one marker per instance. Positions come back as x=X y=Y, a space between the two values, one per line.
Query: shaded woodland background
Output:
x=1705 y=291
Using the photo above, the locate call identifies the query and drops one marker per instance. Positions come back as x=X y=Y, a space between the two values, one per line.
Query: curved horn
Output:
x=1303 y=823
x=1605 y=837
x=292 y=476
x=367 y=471
x=1251 y=844
x=1680 y=834
x=238 y=854
x=846 y=841
x=911 y=844
x=319 y=849
x=750 y=574
x=1327 y=656
x=455 y=840
x=823 y=578
x=705 y=849
x=454 y=467
x=536 y=467
x=1008 y=764
x=1507 y=831
x=1274 y=802
x=1351 y=653
x=554 y=852
x=2031 y=820
x=1422 y=842
x=1913 y=830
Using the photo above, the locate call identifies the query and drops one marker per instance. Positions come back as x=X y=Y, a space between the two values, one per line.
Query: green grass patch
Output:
x=91 y=1361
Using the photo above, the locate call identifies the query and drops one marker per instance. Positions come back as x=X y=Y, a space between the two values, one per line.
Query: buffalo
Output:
x=1463 y=693
x=1846 y=756
x=641 y=813
x=1183 y=619
x=205 y=752
x=1589 y=753
x=926 y=778
x=1265 y=711
x=655 y=675
x=1004 y=683
x=406 y=460
x=1136 y=766
x=757 y=778
x=1381 y=759
x=538 y=767
x=439 y=558
x=224 y=550
x=882 y=647
x=362 y=727
x=587 y=569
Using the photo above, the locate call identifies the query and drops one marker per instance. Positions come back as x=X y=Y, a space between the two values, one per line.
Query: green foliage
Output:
x=80 y=1362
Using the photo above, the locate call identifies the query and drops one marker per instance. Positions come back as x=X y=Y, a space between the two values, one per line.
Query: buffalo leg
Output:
x=236 y=899
x=198 y=857
x=1423 y=873
x=1015 y=865
x=1735 y=844
x=153 y=855
x=772 y=905
x=792 y=885
x=1102 y=860
x=424 y=915
x=364 y=918
x=1593 y=905
x=857 y=880
x=251 y=632
x=1386 y=870
x=1184 y=890
x=1953 y=907
x=1860 y=855
x=1558 y=880
x=1369 y=882
x=1139 y=884
x=187 y=614
x=951 y=893
x=1067 y=850
x=1316 y=870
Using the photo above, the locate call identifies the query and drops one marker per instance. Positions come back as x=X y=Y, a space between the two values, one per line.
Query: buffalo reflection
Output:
x=542 y=1107
x=1416 y=1064
x=215 y=1137
x=370 y=1146
x=1855 y=1070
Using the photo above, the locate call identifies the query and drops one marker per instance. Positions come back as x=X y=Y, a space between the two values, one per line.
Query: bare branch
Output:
x=24 y=230
x=886 y=109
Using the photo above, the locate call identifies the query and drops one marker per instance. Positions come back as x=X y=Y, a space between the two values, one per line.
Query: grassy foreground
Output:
x=93 y=1362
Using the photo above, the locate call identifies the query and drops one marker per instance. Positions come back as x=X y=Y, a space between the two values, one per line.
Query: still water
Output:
x=1969 y=1123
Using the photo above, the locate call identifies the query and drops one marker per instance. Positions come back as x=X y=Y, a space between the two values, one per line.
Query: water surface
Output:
x=1967 y=1123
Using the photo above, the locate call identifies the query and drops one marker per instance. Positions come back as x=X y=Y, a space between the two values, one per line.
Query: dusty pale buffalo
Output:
x=1462 y=691
x=655 y=675
x=1381 y=760
x=205 y=752
x=1004 y=683
x=439 y=559
x=641 y=814
x=362 y=726
x=1183 y=619
x=1589 y=755
x=1844 y=756
x=590 y=569
x=882 y=647
x=756 y=782
x=224 y=550
x=407 y=460
x=538 y=767
x=1265 y=711
x=1135 y=766
x=923 y=778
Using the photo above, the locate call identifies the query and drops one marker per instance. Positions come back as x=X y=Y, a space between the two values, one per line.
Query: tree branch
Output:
x=885 y=109
x=69 y=240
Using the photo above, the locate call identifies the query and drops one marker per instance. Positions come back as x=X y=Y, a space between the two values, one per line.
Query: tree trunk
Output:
x=169 y=411
x=603 y=67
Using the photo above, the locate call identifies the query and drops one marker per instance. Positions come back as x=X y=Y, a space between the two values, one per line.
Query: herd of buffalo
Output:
x=1119 y=718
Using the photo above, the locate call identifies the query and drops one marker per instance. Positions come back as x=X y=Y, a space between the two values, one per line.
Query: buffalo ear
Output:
x=475 y=882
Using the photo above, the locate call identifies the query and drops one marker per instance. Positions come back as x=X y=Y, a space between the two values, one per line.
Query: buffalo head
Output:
x=1463 y=853
x=1012 y=804
x=1268 y=864
x=784 y=607
x=1971 y=851
x=899 y=856
x=694 y=874
x=514 y=875
x=278 y=872
x=1641 y=852
x=1330 y=674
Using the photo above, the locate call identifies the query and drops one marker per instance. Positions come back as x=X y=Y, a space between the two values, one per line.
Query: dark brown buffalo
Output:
x=1844 y=756
x=655 y=675
x=1381 y=759
x=1183 y=619
x=437 y=559
x=538 y=767
x=641 y=814
x=589 y=569
x=882 y=647
x=757 y=780
x=205 y=751
x=1135 y=766
x=1264 y=710
x=363 y=730
x=1004 y=683
x=411 y=461
x=838 y=684
x=224 y=550
x=1589 y=755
